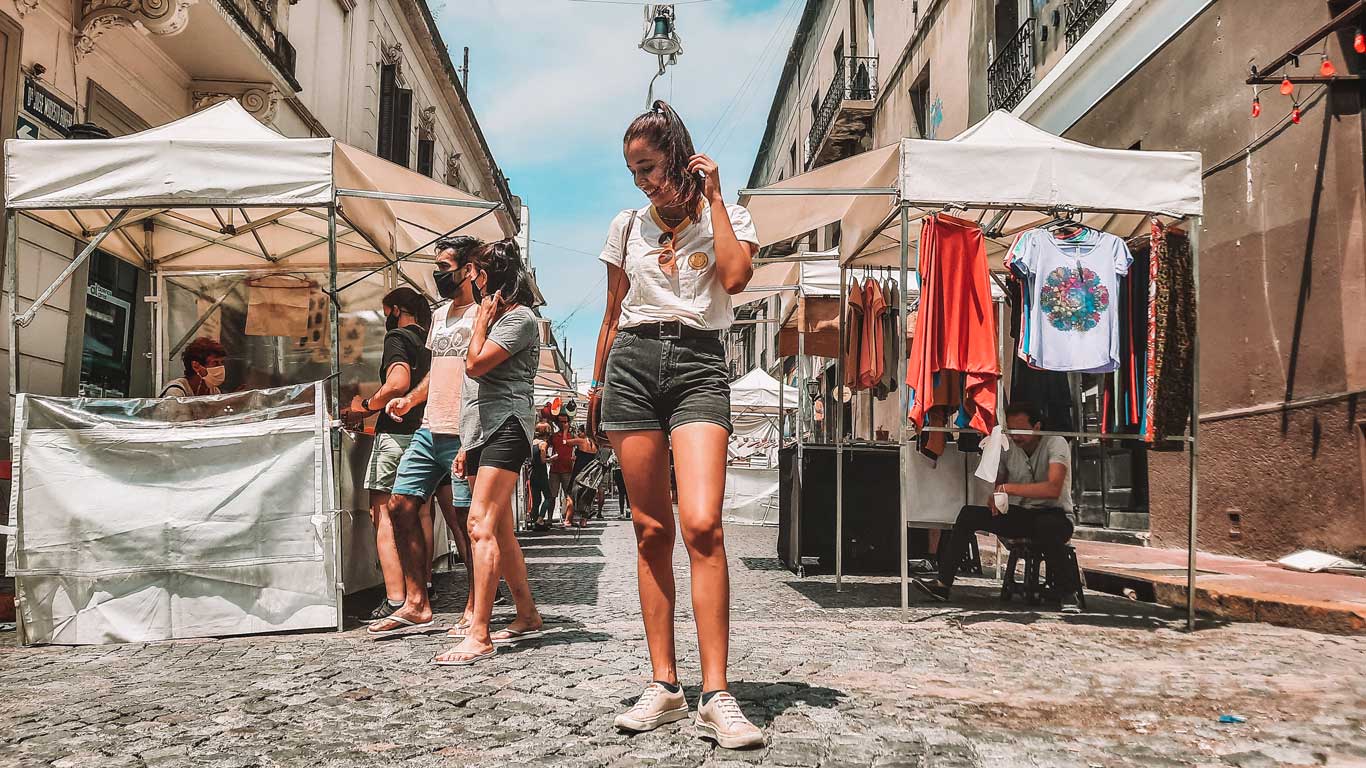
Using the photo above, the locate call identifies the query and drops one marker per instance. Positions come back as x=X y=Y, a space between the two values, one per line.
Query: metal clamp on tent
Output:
x=1000 y=166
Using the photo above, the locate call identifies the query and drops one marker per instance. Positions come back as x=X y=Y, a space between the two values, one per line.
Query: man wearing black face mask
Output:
x=435 y=445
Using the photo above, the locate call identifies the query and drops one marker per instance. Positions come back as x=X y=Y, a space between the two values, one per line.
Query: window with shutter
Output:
x=388 y=91
x=426 y=149
x=403 y=126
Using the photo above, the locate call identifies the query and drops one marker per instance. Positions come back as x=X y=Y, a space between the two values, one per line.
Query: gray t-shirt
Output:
x=506 y=391
x=1022 y=468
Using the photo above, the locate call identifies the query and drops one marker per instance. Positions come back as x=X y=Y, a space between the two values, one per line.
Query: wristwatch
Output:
x=365 y=404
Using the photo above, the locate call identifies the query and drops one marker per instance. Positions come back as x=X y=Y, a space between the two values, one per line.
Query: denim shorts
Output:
x=665 y=383
x=426 y=464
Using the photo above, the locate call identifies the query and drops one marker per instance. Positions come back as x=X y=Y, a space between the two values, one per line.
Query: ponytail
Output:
x=507 y=272
x=665 y=131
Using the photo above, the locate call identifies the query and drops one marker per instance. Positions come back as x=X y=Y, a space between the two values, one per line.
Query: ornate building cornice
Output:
x=262 y=100
x=157 y=17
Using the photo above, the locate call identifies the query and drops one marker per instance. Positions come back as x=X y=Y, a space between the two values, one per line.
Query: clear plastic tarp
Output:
x=141 y=520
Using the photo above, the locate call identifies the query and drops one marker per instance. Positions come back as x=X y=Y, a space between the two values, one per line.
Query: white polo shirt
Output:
x=693 y=294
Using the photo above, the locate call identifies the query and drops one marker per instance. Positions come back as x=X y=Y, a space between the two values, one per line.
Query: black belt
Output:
x=670 y=331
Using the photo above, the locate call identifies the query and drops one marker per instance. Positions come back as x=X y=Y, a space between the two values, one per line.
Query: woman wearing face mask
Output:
x=204 y=370
x=660 y=383
x=496 y=427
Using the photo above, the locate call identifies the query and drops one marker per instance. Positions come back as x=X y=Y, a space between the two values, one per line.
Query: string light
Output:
x=1359 y=42
x=1295 y=114
x=1256 y=107
x=1287 y=87
x=1326 y=68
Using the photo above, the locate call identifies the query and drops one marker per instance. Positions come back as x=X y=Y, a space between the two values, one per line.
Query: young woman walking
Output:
x=660 y=382
x=496 y=417
x=542 y=503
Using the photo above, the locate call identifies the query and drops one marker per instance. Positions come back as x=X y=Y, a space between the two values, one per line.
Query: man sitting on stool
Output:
x=1037 y=476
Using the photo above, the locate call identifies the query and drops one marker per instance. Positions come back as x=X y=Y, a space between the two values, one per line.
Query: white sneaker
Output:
x=655 y=707
x=721 y=720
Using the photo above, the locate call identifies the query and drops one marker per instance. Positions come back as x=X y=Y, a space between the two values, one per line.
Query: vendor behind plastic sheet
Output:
x=205 y=371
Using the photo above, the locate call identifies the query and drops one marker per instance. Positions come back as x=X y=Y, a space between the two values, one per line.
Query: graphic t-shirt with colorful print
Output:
x=1071 y=314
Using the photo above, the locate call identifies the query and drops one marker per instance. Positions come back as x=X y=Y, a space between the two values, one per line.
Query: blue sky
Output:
x=554 y=84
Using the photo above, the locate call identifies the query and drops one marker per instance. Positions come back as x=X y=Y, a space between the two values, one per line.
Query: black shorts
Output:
x=665 y=383
x=507 y=448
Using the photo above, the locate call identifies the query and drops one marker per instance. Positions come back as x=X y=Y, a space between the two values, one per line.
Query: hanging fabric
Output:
x=871 y=360
x=891 y=351
x=1171 y=334
x=956 y=326
x=853 y=335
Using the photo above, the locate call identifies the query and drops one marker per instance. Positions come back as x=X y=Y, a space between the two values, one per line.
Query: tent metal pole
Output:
x=334 y=409
x=1194 y=236
x=798 y=473
x=839 y=437
x=818 y=192
x=159 y=331
x=12 y=306
x=27 y=318
x=903 y=496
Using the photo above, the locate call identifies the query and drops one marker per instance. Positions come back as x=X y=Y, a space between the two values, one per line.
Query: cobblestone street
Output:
x=834 y=679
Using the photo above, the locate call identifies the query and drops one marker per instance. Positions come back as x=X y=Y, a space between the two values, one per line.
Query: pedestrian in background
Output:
x=542 y=501
x=495 y=433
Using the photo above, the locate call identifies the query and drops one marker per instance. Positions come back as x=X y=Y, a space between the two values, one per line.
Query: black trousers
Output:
x=623 y=501
x=1048 y=528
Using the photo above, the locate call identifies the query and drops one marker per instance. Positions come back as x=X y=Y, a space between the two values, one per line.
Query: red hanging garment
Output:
x=956 y=325
x=853 y=336
x=871 y=356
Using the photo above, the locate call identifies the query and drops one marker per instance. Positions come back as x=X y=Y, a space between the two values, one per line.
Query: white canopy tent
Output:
x=1009 y=177
x=757 y=401
x=217 y=193
x=758 y=393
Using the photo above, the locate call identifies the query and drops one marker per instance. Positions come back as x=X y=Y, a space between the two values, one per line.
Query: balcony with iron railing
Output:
x=845 y=115
x=1011 y=74
x=1081 y=16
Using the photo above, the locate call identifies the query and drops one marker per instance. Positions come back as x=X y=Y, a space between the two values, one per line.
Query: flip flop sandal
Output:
x=459 y=630
x=404 y=626
x=467 y=662
x=514 y=636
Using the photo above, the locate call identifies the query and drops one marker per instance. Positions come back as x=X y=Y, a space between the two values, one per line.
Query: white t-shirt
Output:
x=1072 y=319
x=1023 y=469
x=449 y=340
x=693 y=294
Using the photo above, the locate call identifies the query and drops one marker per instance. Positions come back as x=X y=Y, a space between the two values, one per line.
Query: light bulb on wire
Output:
x=1359 y=42
x=1256 y=106
x=1326 y=68
x=1295 y=115
x=1287 y=87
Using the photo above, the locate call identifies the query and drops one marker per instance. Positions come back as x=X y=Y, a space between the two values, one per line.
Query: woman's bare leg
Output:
x=700 y=462
x=645 y=468
x=490 y=528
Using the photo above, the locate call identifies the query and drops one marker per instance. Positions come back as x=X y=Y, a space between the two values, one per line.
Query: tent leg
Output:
x=11 y=312
x=159 y=329
x=1194 y=235
x=903 y=498
x=839 y=439
x=12 y=306
x=334 y=409
x=801 y=411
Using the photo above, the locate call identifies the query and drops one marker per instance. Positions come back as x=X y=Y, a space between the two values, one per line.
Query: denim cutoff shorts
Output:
x=665 y=383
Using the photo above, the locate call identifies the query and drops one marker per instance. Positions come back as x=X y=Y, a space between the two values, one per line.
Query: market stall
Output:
x=1000 y=178
x=224 y=213
x=757 y=401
